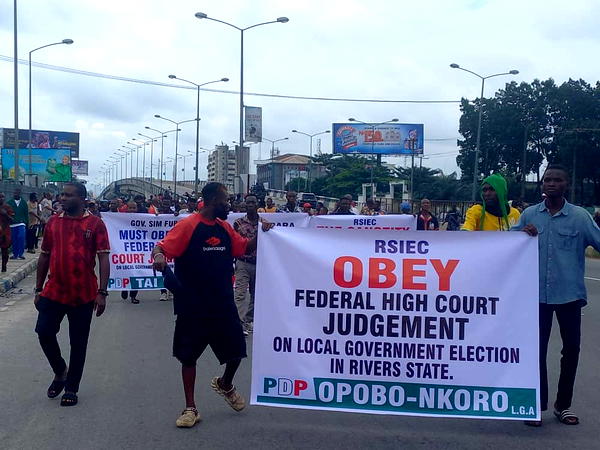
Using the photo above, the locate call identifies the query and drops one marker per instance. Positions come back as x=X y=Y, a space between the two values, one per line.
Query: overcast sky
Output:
x=397 y=50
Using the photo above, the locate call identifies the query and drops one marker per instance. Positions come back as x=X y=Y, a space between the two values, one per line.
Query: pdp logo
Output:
x=284 y=386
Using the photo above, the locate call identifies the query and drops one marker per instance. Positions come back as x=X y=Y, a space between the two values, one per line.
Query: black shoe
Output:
x=124 y=295
x=134 y=300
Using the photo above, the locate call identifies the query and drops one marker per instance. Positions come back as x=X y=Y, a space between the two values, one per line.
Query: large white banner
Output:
x=417 y=323
x=132 y=237
x=395 y=222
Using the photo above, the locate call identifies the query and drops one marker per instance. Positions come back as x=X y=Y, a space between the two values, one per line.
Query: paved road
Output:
x=131 y=395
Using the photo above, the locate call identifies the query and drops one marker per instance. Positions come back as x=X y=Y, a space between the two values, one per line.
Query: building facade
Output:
x=276 y=173
x=221 y=166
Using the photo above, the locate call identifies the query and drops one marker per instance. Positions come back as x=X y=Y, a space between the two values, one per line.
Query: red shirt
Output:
x=72 y=243
x=178 y=238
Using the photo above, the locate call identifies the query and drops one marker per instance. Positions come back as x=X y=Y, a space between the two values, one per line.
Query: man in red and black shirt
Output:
x=203 y=246
x=71 y=242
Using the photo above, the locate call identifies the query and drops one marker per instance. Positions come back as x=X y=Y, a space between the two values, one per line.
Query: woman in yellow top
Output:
x=495 y=214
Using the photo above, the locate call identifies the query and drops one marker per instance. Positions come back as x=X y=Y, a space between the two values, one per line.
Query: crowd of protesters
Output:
x=221 y=313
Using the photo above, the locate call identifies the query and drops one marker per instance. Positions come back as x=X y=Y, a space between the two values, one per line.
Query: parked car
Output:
x=307 y=197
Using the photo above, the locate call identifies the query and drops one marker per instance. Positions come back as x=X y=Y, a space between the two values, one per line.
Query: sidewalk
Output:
x=17 y=270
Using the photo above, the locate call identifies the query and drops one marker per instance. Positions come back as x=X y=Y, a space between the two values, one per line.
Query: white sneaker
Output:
x=163 y=296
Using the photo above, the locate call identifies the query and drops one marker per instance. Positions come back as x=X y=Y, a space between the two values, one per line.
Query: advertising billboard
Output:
x=48 y=164
x=253 y=124
x=384 y=139
x=42 y=139
x=79 y=167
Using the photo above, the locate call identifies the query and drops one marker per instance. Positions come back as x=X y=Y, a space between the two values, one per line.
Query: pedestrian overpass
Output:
x=130 y=187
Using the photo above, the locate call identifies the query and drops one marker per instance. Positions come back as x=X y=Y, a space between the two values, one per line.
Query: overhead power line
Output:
x=222 y=91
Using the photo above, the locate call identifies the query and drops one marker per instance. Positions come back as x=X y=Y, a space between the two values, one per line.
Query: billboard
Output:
x=42 y=139
x=47 y=163
x=253 y=124
x=383 y=139
x=79 y=167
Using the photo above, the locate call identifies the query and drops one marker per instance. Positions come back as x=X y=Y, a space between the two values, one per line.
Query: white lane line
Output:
x=4 y=308
x=10 y=303
x=592 y=278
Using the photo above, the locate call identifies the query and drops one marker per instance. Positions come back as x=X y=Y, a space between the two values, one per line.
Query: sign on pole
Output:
x=253 y=123
x=412 y=323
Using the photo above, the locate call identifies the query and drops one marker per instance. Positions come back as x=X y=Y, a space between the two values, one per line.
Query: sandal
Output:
x=55 y=388
x=567 y=417
x=69 y=399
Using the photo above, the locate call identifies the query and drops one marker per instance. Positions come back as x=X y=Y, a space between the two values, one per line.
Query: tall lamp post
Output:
x=272 y=178
x=152 y=141
x=198 y=86
x=476 y=163
x=124 y=154
x=130 y=151
x=201 y=15
x=162 y=141
x=64 y=41
x=310 y=136
x=158 y=116
x=137 y=159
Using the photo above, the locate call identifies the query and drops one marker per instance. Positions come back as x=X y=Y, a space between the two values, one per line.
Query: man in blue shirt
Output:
x=564 y=231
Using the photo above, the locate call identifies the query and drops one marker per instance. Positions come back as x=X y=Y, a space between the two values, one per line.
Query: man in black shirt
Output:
x=203 y=246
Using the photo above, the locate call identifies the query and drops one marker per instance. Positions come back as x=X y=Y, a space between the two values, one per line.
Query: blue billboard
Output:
x=48 y=164
x=384 y=139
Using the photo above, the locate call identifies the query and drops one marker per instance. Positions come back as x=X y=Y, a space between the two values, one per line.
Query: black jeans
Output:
x=47 y=327
x=568 y=316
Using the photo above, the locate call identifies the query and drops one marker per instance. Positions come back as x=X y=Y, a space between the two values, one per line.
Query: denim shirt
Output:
x=562 y=241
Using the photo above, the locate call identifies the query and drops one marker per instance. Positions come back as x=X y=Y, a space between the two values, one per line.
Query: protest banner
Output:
x=395 y=222
x=292 y=220
x=430 y=324
x=132 y=237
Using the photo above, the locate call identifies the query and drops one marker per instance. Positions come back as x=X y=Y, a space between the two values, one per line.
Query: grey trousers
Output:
x=245 y=280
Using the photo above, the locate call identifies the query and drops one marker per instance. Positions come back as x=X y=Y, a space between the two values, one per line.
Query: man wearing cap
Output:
x=306 y=208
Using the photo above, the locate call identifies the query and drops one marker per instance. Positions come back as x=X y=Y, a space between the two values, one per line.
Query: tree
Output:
x=347 y=173
x=433 y=184
x=525 y=124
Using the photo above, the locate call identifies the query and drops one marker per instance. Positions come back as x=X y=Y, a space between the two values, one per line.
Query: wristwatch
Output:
x=103 y=292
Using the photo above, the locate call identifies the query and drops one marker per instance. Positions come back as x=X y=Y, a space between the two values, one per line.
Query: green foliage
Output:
x=434 y=185
x=550 y=122
x=347 y=173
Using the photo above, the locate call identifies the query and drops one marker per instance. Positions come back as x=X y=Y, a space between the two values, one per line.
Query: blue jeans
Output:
x=17 y=235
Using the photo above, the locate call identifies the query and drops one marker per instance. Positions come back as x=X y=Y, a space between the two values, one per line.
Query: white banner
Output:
x=132 y=237
x=395 y=222
x=422 y=323
x=292 y=220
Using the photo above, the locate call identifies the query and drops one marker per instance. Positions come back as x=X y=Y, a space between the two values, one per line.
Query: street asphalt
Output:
x=131 y=395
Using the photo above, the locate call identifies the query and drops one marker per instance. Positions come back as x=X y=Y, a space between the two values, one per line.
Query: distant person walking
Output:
x=18 y=228
x=71 y=243
x=6 y=217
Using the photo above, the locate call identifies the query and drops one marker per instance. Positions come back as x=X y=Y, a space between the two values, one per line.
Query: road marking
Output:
x=4 y=308
x=591 y=278
x=10 y=303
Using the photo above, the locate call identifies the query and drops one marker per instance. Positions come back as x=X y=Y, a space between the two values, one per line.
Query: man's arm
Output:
x=592 y=233
x=42 y=270
x=251 y=246
x=104 y=269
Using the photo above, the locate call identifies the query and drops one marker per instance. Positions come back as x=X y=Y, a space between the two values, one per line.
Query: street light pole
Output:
x=201 y=15
x=64 y=41
x=310 y=136
x=272 y=177
x=198 y=86
x=162 y=140
x=158 y=116
x=477 y=151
